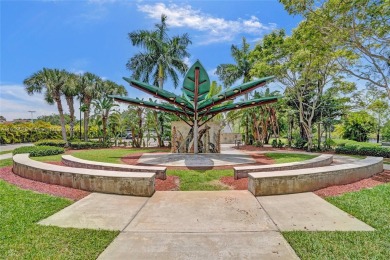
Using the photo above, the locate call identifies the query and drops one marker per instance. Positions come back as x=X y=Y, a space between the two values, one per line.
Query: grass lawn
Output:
x=200 y=179
x=6 y=162
x=5 y=152
x=369 y=205
x=289 y=157
x=110 y=155
x=22 y=238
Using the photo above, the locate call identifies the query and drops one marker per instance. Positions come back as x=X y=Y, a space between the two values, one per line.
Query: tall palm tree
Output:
x=88 y=88
x=103 y=107
x=163 y=55
x=230 y=73
x=51 y=81
x=70 y=90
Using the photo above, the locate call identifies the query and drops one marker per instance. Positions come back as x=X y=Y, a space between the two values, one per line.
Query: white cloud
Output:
x=15 y=103
x=215 y=29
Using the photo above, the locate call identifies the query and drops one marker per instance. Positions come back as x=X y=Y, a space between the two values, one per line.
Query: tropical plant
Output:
x=88 y=84
x=51 y=81
x=163 y=55
x=70 y=90
x=103 y=108
x=230 y=73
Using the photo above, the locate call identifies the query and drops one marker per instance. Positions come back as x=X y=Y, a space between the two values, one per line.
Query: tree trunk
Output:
x=62 y=118
x=69 y=101
x=87 y=104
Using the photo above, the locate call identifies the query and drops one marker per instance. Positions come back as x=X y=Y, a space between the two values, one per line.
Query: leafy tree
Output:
x=358 y=125
x=230 y=73
x=386 y=132
x=360 y=30
x=51 y=81
x=54 y=119
x=2 y=119
x=163 y=55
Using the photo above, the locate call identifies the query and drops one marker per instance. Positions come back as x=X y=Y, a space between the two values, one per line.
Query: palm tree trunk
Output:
x=69 y=101
x=104 y=122
x=62 y=119
x=87 y=103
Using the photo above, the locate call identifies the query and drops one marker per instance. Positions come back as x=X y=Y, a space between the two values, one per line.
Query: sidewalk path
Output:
x=202 y=224
x=10 y=147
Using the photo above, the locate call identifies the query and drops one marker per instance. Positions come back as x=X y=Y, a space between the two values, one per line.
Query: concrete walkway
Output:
x=203 y=225
x=10 y=147
x=5 y=156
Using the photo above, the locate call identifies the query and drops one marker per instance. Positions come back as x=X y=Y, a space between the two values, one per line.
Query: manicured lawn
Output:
x=22 y=238
x=371 y=206
x=289 y=157
x=6 y=162
x=111 y=155
x=200 y=179
x=50 y=158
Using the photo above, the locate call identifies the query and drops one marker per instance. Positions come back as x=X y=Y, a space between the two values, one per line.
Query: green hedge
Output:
x=36 y=151
x=89 y=145
x=57 y=143
x=363 y=149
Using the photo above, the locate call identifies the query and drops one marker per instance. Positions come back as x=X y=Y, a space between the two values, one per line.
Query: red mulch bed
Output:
x=240 y=184
x=55 y=190
x=375 y=180
x=170 y=184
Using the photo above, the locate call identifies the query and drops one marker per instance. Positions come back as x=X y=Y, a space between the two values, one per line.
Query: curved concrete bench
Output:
x=303 y=180
x=72 y=161
x=319 y=161
x=124 y=183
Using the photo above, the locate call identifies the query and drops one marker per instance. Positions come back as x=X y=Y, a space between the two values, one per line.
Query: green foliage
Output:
x=23 y=238
x=386 y=132
x=36 y=151
x=274 y=143
x=57 y=143
x=11 y=133
x=364 y=149
x=358 y=125
x=280 y=144
x=329 y=143
x=54 y=119
x=89 y=145
x=258 y=144
x=300 y=143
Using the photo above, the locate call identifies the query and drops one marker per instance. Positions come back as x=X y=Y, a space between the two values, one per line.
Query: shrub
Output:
x=36 y=151
x=258 y=144
x=274 y=143
x=57 y=143
x=300 y=143
x=280 y=144
x=89 y=145
x=364 y=149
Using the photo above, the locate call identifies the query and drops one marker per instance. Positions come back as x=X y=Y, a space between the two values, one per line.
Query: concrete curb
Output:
x=115 y=182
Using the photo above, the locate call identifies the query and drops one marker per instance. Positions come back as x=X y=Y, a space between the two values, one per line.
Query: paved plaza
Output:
x=204 y=224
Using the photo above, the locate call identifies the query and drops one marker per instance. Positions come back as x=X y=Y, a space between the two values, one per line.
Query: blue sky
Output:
x=81 y=36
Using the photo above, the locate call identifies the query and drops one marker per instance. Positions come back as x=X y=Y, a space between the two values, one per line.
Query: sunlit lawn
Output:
x=22 y=238
x=372 y=206
x=289 y=157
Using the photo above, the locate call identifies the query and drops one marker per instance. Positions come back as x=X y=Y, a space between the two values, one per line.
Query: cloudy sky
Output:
x=81 y=36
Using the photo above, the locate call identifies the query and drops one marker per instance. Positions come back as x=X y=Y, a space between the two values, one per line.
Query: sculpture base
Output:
x=209 y=136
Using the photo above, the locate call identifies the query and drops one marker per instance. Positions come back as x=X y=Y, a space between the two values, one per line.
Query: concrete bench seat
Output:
x=319 y=161
x=115 y=182
x=304 y=180
x=72 y=161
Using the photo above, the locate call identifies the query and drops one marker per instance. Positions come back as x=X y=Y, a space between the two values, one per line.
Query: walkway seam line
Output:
x=266 y=212
x=136 y=214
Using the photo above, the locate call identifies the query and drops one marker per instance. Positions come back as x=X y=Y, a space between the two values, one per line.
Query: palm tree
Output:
x=230 y=73
x=70 y=90
x=88 y=84
x=103 y=108
x=52 y=82
x=163 y=55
